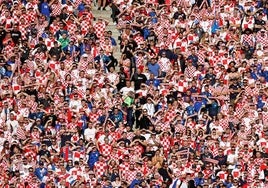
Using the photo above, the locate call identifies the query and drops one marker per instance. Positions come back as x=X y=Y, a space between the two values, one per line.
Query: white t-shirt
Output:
x=125 y=90
x=90 y=133
x=150 y=108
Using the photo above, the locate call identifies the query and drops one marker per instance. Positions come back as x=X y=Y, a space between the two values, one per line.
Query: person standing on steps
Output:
x=102 y=4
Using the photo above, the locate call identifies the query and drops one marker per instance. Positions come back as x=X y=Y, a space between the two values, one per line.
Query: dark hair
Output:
x=191 y=184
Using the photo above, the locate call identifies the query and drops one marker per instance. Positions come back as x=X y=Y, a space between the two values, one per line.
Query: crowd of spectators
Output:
x=185 y=104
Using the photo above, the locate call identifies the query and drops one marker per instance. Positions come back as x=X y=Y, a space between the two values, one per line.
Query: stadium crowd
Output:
x=184 y=106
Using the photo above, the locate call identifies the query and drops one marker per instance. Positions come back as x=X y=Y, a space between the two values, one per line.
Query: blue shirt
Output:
x=40 y=173
x=194 y=59
x=81 y=7
x=71 y=48
x=93 y=158
x=190 y=110
x=198 y=105
x=113 y=41
x=215 y=26
x=265 y=75
x=134 y=182
x=198 y=181
x=8 y=73
x=260 y=103
x=154 y=69
x=155 y=82
x=83 y=47
x=45 y=9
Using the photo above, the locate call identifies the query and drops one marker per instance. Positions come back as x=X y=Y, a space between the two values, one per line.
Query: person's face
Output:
x=128 y=83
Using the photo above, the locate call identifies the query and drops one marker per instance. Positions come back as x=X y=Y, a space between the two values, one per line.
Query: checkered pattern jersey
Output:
x=182 y=85
x=214 y=59
x=123 y=168
x=56 y=9
x=239 y=110
x=131 y=175
x=83 y=64
x=100 y=28
x=140 y=61
x=189 y=71
x=8 y=49
x=138 y=39
x=247 y=25
x=93 y=117
x=166 y=143
x=263 y=40
x=72 y=28
x=169 y=115
x=248 y=39
x=100 y=168
x=180 y=128
x=23 y=30
x=31 y=16
x=201 y=56
x=224 y=123
x=105 y=149
x=16 y=19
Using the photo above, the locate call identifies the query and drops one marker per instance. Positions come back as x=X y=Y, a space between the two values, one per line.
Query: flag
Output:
x=211 y=160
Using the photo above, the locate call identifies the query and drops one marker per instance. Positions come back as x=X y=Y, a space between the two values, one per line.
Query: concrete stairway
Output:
x=106 y=14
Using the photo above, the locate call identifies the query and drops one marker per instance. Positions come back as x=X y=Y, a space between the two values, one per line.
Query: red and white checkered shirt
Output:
x=100 y=168
x=131 y=175
x=56 y=9
x=8 y=49
x=166 y=143
x=262 y=39
x=93 y=117
x=123 y=168
x=189 y=72
x=53 y=28
x=100 y=28
x=105 y=149
x=182 y=85
x=249 y=39
x=32 y=16
x=71 y=28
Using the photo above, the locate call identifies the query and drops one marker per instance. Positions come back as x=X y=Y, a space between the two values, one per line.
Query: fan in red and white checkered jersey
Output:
x=6 y=19
x=100 y=167
x=180 y=43
x=131 y=173
x=71 y=25
x=23 y=28
x=138 y=38
x=262 y=38
x=182 y=84
x=56 y=8
x=166 y=142
x=189 y=71
x=16 y=16
x=106 y=148
x=8 y=49
x=248 y=38
x=100 y=27
x=248 y=23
